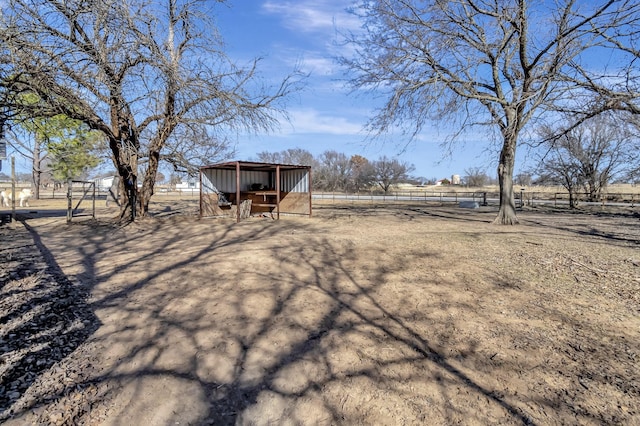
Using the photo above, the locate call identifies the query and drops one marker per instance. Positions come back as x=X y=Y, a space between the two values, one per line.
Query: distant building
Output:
x=191 y=184
x=103 y=184
x=455 y=179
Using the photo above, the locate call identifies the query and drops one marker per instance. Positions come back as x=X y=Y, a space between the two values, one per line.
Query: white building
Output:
x=190 y=185
x=103 y=184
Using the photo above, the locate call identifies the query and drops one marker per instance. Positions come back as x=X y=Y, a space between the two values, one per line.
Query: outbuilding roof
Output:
x=254 y=166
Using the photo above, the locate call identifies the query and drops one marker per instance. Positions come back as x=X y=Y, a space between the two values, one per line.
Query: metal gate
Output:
x=80 y=191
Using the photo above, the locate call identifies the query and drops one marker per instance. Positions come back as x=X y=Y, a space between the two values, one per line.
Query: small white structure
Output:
x=455 y=179
x=103 y=184
x=190 y=185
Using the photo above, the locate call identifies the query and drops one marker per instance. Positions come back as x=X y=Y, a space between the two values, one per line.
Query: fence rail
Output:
x=485 y=198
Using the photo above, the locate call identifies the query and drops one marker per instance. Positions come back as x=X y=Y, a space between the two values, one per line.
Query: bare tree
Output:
x=334 y=171
x=296 y=156
x=524 y=179
x=193 y=146
x=497 y=63
x=614 y=85
x=33 y=148
x=137 y=70
x=559 y=170
x=390 y=171
x=363 y=173
x=589 y=156
x=476 y=176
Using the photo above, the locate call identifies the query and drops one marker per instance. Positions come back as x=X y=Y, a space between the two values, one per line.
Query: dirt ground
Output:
x=362 y=314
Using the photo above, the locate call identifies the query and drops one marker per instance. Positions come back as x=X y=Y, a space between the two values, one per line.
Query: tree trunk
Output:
x=125 y=154
x=149 y=179
x=507 y=212
x=593 y=190
x=36 y=171
x=572 y=199
x=129 y=206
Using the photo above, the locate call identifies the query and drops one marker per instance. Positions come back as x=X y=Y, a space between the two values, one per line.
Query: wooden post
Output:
x=278 y=191
x=309 y=189
x=237 y=191
x=69 y=196
x=200 y=202
x=13 y=188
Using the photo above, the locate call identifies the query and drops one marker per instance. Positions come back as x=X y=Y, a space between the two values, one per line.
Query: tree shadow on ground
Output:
x=262 y=322
x=44 y=317
x=353 y=319
x=168 y=328
x=611 y=228
x=410 y=211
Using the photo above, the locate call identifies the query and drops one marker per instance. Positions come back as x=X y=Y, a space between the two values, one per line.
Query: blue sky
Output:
x=325 y=116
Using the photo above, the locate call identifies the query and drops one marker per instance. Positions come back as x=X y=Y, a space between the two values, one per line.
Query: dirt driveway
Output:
x=359 y=315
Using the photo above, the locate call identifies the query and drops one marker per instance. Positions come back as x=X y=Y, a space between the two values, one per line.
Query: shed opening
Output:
x=241 y=189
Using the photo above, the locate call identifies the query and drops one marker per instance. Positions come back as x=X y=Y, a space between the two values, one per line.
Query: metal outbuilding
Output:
x=243 y=188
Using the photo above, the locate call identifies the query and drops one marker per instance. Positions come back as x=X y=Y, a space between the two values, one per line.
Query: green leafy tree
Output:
x=72 y=154
x=31 y=144
x=58 y=144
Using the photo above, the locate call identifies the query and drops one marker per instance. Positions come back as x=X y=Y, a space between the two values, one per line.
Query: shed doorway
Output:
x=241 y=189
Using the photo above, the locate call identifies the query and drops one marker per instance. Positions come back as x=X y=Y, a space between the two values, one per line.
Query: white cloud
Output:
x=312 y=15
x=314 y=62
x=319 y=66
x=307 y=121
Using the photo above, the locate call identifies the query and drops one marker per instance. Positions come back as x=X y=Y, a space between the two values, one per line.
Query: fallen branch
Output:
x=594 y=270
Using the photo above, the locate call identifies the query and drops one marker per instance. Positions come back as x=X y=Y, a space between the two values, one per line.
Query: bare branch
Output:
x=515 y=63
x=140 y=71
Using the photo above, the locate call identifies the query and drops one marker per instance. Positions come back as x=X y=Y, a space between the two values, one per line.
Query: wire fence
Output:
x=483 y=198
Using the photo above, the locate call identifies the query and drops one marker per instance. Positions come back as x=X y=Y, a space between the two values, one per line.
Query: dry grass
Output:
x=375 y=314
x=611 y=189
